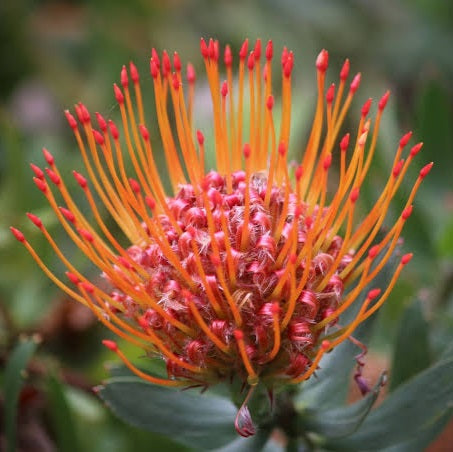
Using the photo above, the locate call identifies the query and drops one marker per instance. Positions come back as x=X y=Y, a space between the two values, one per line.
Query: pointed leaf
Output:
x=12 y=385
x=62 y=417
x=344 y=421
x=424 y=438
x=412 y=351
x=415 y=406
x=197 y=420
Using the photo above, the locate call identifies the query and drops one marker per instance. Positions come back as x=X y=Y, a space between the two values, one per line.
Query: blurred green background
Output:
x=56 y=53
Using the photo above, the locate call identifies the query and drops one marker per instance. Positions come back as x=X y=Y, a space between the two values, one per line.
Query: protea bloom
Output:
x=242 y=270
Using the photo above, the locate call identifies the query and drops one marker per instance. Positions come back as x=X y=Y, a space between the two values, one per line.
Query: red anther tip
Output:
x=344 y=70
x=405 y=139
x=17 y=234
x=284 y=56
x=80 y=179
x=244 y=49
x=270 y=102
x=216 y=51
x=68 y=214
x=190 y=73
x=246 y=150
x=134 y=72
x=372 y=294
x=124 y=78
x=98 y=137
x=118 y=94
x=275 y=308
x=282 y=148
x=257 y=49
x=299 y=171
x=224 y=89
x=228 y=56
x=397 y=168
x=200 y=137
x=406 y=258
x=288 y=67
x=322 y=61
x=73 y=278
x=84 y=113
x=143 y=132
x=78 y=111
x=175 y=81
x=366 y=108
x=153 y=68
x=71 y=120
x=355 y=83
x=155 y=57
x=101 y=122
x=177 y=62
x=269 y=50
x=39 y=173
x=407 y=212
x=354 y=194
x=86 y=235
x=373 y=252
x=48 y=156
x=383 y=101
x=325 y=344
x=330 y=93
x=238 y=335
x=113 y=130
x=204 y=48
x=327 y=162
x=416 y=149
x=35 y=220
x=426 y=169
x=87 y=286
x=150 y=202
x=251 y=61
x=134 y=185
x=111 y=345
x=344 y=143
x=308 y=222
x=54 y=177
x=166 y=64
x=211 y=49
x=41 y=184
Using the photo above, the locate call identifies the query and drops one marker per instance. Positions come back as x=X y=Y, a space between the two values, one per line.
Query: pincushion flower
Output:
x=243 y=270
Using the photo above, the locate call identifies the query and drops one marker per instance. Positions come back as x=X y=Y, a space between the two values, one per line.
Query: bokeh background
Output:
x=55 y=53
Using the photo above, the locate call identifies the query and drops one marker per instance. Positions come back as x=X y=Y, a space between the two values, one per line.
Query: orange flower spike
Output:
x=241 y=270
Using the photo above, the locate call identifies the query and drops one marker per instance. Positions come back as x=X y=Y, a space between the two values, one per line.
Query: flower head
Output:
x=243 y=270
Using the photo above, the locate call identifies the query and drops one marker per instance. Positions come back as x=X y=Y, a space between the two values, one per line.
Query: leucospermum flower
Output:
x=242 y=271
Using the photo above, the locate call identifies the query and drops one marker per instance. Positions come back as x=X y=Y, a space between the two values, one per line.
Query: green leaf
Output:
x=344 y=421
x=414 y=407
x=14 y=375
x=196 y=420
x=62 y=419
x=412 y=350
x=424 y=438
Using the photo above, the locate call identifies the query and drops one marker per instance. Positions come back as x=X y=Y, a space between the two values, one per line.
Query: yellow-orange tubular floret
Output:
x=242 y=270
